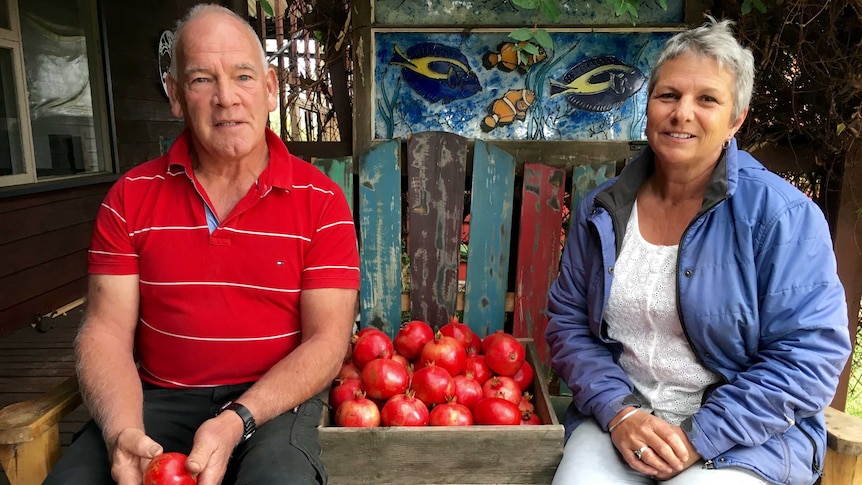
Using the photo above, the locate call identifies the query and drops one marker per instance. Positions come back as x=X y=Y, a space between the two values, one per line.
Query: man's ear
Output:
x=174 y=96
x=271 y=89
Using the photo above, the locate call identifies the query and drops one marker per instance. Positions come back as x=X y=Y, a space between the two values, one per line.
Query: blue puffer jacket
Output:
x=760 y=303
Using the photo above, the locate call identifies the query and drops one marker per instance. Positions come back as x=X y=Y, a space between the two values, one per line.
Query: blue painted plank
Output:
x=490 y=236
x=380 y=238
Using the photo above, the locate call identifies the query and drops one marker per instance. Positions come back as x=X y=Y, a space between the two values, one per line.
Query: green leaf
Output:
x=530 y=48
x=746 y=7
x=551 y=8
x=840 y=128
x=758 y=4
x=544 y=39
x=524 y=33
x=663 y=4
x=526 y=4
x=267 y=8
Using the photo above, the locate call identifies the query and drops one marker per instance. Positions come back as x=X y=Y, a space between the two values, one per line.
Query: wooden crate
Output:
x=451 y=454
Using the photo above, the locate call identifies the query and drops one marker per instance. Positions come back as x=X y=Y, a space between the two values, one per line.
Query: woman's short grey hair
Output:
x=201 y=9
x=713 y=39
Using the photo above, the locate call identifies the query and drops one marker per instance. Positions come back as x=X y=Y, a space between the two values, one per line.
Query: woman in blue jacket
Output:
x=698 y=316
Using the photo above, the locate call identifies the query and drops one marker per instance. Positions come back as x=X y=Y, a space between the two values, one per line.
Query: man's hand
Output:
x=214 y=443
x=130 y=453
x=666 y=449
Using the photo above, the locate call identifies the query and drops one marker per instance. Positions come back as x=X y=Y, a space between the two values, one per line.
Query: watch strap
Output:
x=249 y=426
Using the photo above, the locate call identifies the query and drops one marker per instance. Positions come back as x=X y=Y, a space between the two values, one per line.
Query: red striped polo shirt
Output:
x=221 y=308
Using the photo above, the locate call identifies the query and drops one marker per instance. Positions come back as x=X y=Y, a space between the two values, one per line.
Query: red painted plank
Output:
x=538 y=250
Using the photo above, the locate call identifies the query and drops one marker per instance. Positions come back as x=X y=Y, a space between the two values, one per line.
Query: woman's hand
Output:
x=130 y=453
x=663 y=448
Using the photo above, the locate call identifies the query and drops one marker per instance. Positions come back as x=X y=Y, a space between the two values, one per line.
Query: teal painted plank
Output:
x=380 y=238
x=588 y=177
x=490 y=236
x=341 y=171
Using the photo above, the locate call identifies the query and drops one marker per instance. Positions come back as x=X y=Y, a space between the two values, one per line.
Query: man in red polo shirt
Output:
x=223 y=285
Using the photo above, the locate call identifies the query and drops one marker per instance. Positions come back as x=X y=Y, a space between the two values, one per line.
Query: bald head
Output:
x=197 y=13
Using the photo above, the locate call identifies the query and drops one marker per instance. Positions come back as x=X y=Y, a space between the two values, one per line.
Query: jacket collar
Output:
x=618 y=198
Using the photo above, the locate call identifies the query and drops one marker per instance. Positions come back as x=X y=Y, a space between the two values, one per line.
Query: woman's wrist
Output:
x=626 y=414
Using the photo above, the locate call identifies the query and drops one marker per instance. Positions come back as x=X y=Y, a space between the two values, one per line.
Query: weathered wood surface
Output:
x=488 y=253
x=587 y=177
x=538 y=251
x=380 y=238
x=340 y=170
x=448 y=454
x=844 y=455
x=436 y=170
x=32 y=365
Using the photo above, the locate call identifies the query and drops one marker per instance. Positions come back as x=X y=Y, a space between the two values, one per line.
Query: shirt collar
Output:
x=278 y=172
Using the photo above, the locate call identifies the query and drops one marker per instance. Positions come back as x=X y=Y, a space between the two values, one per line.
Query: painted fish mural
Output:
x=505 y=110
x=598 y=84
x=506 y=59
x=436 y=72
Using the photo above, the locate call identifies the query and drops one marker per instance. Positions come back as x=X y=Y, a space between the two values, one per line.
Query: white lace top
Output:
x=642 y=316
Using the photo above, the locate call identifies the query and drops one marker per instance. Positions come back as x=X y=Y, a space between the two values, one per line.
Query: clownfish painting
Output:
x=506 y=59
x=512 y=106
x=598 y=84
x=436 y=72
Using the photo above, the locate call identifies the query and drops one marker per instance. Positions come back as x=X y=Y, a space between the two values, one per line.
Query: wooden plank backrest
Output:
x=436 y=172
x=488 y=257
x=538 y=250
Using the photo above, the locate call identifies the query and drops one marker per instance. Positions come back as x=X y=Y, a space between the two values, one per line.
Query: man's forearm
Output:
x=109 y=381
x=298 y=377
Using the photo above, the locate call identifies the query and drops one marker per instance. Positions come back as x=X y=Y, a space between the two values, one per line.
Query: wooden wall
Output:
x=43 y=243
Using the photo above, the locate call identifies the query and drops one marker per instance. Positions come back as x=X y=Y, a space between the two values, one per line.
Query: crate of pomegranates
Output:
x=440 y=408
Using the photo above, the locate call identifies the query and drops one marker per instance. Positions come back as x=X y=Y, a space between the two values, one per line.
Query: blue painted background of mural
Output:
x=591 y=87
x=500 y=12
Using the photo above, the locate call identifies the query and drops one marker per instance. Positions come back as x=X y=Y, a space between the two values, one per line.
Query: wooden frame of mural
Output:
x=415 y=74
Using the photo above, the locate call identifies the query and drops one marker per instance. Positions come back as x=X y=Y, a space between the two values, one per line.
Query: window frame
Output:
x=102 y=113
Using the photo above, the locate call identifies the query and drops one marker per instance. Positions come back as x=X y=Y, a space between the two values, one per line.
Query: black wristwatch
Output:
x=249 y=426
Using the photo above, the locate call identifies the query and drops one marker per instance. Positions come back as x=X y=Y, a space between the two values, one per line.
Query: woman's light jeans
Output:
x=590 y=458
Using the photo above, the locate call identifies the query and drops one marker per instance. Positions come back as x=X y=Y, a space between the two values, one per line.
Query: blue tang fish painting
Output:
x=437 y=72
x=598 y=84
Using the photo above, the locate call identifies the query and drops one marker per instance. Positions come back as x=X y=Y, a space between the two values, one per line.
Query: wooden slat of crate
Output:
x=538 y=251
x=436 y=167
x=380 y=237
x=490 y=236
x=451 y=454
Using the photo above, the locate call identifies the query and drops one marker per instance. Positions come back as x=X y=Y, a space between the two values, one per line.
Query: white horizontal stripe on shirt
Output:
x=312 y=268
x=339 y=223
x=217 y=283
x=270 y=234
x=145 y=177
x=312 y=187
x=106 y=206
x=214 y=339
x=167 y=228
x=112 y=254
x=176 y=383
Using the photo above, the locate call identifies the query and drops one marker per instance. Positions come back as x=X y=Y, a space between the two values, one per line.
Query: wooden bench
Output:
x=417 y=187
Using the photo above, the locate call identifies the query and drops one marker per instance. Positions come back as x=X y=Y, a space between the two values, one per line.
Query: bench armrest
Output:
x=30 y=433
x=844 y=452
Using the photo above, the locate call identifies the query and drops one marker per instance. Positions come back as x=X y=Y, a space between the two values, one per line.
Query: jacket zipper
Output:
x=815 y=464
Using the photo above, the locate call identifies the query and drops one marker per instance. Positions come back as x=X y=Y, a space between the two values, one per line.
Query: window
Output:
x=50 y=50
